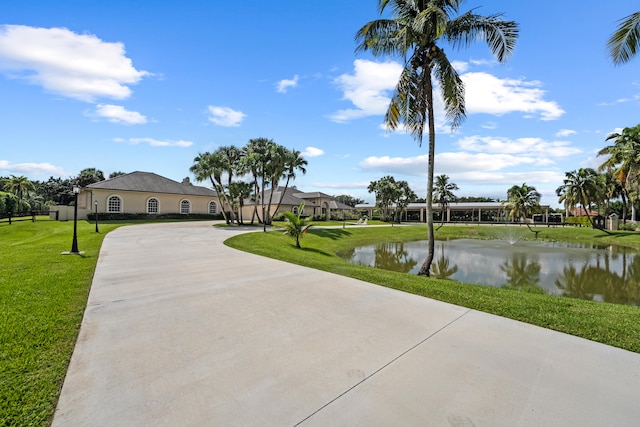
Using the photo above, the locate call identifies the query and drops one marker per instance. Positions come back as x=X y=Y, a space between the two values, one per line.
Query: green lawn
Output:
x=612 y=324
x=42 y=299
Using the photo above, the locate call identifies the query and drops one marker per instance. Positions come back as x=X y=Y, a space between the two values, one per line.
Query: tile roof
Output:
x=148 y=182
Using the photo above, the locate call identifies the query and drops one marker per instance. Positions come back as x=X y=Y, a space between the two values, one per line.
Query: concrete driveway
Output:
x=181 y=330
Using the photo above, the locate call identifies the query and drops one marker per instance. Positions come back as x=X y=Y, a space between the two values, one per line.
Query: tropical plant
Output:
x=20 y=186
x=349 y=200
x=625 y=41
x=443 y=194
x=89 y=176
x=386 y=192
x=579 y=188
x=413 y=34
x=522 y=202
x=239 y=191
x=296 y=226
x=293 y=162
x=210 y=166
x=624 y=159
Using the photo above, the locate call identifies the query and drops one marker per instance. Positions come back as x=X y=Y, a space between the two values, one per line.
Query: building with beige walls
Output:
x=142 y=193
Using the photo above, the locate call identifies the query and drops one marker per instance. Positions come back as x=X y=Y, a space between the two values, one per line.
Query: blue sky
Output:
x=147 y=85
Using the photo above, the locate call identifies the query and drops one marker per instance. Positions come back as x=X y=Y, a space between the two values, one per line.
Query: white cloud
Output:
x=370 y=86
x=449 y=162
x=368 y=89
x=118 y=114
x=156 y=142
x=45 y=169
x=486 y=93
x=283 y=85
x=225 y=116
x=341 y=185
x=79 y=66
x=565 y=132
x=530 y=146
x=312 y=152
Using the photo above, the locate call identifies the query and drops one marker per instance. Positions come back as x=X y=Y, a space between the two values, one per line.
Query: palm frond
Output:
x=452 y=89
x=625 y=41
x=500 y=35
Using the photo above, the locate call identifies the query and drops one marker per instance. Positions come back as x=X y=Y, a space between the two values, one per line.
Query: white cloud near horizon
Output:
x=43 y=169
x=312 y=152
x=283 y=85
x=79 y=66
x=371 y=84
x=225 y=116
x=155 y=142
x=118 y=114
x=341 y=185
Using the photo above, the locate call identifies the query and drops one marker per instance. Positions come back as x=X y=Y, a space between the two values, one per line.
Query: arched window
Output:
x=295 y=210
x=153 y=205
x=185 y=207
x=114 y=204
x=213 y=207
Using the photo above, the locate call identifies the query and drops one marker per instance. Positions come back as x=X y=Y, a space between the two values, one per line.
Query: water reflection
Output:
x=522 y=273
x=442 y=268
x=609 y=274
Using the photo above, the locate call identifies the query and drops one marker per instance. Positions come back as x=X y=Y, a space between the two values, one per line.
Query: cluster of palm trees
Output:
x=17 y=194
x=392 y=197
x=238 y=174
x=617 y=177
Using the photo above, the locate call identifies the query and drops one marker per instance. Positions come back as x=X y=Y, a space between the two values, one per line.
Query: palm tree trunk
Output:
x=215 y=187
x=425 y=269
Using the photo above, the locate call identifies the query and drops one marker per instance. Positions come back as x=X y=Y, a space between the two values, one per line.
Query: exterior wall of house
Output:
x=136 y=202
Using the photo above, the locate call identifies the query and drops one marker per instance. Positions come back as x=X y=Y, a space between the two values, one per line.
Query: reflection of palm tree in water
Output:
x=393 y=256
x=440 y=268
x=592 y=280
x=521 y=273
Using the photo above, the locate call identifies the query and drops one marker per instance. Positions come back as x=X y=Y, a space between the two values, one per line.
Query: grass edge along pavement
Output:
x=43 y=295
x=612 y=324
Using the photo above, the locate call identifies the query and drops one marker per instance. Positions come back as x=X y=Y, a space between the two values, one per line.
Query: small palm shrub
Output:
x=296 y=225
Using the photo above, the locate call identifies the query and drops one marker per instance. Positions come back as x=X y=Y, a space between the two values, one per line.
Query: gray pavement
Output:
x=181 y=330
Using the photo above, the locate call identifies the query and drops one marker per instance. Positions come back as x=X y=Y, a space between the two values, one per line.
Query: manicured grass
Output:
x=42 y=299
x=616 y=325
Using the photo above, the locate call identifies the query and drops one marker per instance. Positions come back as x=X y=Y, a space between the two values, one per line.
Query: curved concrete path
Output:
x=181 y=330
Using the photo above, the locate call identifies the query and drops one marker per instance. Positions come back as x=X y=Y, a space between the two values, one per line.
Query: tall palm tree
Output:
x=522 y=201
x=443 y=194
x=211 y=166
x=256 y=163
x=294 y=162
x=413 y=33
x=579 y=188
x=625 y=41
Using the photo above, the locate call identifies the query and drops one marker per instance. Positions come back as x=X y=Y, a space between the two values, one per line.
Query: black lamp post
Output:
x=96 y=205
x=74 y=246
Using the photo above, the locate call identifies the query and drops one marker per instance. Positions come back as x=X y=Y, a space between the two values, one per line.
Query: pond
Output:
x=610 y=274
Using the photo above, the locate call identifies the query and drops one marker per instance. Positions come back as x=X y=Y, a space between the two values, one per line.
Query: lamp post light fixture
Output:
x=74 y=245
x=96 y=205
